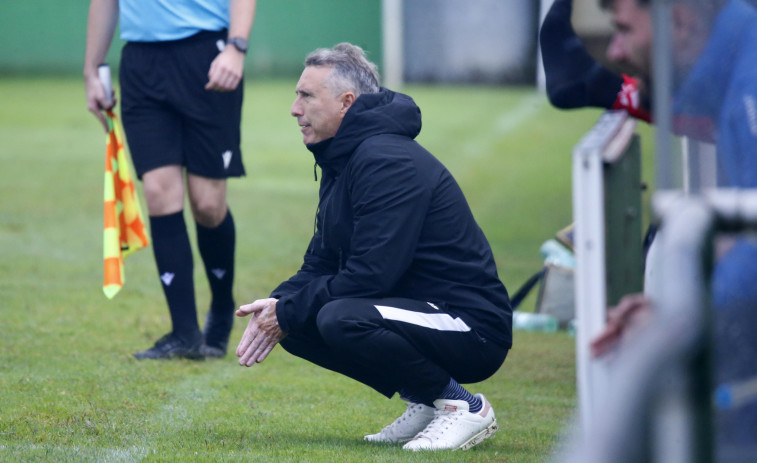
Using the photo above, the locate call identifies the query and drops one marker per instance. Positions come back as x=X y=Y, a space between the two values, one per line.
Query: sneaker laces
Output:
x=441 y=423
x=412 y=410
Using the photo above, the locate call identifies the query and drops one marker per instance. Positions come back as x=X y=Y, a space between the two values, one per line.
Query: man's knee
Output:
x=164 y=190
x=338 y=321
x=208 y=213
x=207 y=197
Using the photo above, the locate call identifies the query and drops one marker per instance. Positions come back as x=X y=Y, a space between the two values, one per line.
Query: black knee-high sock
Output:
x=173 y=256
x=216 y=247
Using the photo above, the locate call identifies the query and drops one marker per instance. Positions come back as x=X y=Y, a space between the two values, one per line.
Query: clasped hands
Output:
x=262 y=333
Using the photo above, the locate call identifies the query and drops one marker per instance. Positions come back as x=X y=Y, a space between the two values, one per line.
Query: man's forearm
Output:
x=101 y=25
x=241 y=17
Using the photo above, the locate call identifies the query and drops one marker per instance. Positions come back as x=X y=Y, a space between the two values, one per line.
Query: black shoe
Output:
x=212 y=352
x=171 y=346
x=216 y=332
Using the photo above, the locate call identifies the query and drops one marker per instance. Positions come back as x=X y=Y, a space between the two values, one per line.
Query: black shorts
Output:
x=168 y=116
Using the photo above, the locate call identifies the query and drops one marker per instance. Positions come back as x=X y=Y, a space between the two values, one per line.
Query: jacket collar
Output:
x=385 y=112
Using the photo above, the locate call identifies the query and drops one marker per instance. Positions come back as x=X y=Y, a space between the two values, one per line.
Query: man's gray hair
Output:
x=350 y=69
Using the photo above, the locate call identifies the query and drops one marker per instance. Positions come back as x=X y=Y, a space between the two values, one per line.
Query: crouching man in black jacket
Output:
x=398 y=288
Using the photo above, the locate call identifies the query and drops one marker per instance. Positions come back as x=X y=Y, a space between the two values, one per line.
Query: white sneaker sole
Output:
x=480 y=437
x=484 y=434
x=388 y=441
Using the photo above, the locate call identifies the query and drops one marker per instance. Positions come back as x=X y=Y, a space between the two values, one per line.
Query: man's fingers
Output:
x=215 y=77
x=605 y=341
x=257 y=350
x=252 y=343
x=247 y=337
x=225 y=73
x=257 y=341
x=255 y=306
x=95 y=110
x=223 y=83
x=267 y=351
x=265 y=346
x=112 y=104
x=249 y=357
x=247 y=309
x=244 y=310
x=102 y=121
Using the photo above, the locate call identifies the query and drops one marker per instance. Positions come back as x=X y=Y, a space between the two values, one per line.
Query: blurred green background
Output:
x=48 y=36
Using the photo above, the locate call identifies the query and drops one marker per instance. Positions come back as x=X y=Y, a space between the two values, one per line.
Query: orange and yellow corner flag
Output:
x=124 y=230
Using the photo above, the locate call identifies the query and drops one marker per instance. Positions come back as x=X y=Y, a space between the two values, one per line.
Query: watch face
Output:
x=239 y=43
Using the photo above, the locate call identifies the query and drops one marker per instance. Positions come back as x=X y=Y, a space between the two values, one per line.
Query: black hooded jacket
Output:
x=392 y=222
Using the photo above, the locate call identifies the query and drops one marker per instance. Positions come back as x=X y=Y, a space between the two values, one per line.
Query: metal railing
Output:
x=660 y=408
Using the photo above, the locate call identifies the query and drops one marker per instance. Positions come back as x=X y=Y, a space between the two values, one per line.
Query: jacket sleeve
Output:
x=574 y=78
x=315 y=264
x=389 y=203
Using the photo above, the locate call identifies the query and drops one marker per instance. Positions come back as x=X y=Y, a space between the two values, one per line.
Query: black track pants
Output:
x=396 y=344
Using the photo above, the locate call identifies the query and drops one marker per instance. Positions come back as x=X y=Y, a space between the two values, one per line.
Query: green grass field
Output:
x=69 y=387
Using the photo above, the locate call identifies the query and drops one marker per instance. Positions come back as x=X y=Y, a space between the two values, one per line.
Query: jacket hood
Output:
x=382 y=113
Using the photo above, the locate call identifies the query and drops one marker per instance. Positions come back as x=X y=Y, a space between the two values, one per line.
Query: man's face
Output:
x=318 y=111
x=631 y=44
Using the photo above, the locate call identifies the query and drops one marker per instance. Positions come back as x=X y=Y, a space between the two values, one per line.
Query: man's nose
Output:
x=615 y=50
x=296 y=109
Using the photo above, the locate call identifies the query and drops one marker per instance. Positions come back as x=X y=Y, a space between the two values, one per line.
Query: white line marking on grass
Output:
x=189 y=397
x=187 y=401
x=108 y=455
x=77 y=453
x=508 y=121
x=526 y=108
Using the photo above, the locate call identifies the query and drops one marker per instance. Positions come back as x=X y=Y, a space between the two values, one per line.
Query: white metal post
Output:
x=590 y=291
x=392 y=43
x=604 y=143
x=541 y=78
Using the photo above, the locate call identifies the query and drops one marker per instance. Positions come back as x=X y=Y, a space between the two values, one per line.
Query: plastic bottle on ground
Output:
x=527 y=321
x=557 y=254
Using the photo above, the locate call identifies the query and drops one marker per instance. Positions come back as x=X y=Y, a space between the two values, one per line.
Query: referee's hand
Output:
x=226 y=70
x=97 y=101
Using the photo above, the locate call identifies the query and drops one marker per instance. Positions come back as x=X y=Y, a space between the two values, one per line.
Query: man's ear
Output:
x=347 y=99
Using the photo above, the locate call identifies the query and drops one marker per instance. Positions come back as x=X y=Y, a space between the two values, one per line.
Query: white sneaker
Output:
x=454 y=427
x=404 y=428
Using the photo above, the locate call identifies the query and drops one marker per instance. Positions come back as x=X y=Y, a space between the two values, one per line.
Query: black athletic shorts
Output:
x=168 y=116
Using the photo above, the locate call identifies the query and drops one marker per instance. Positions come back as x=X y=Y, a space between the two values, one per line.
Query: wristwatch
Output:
x=239 y=43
